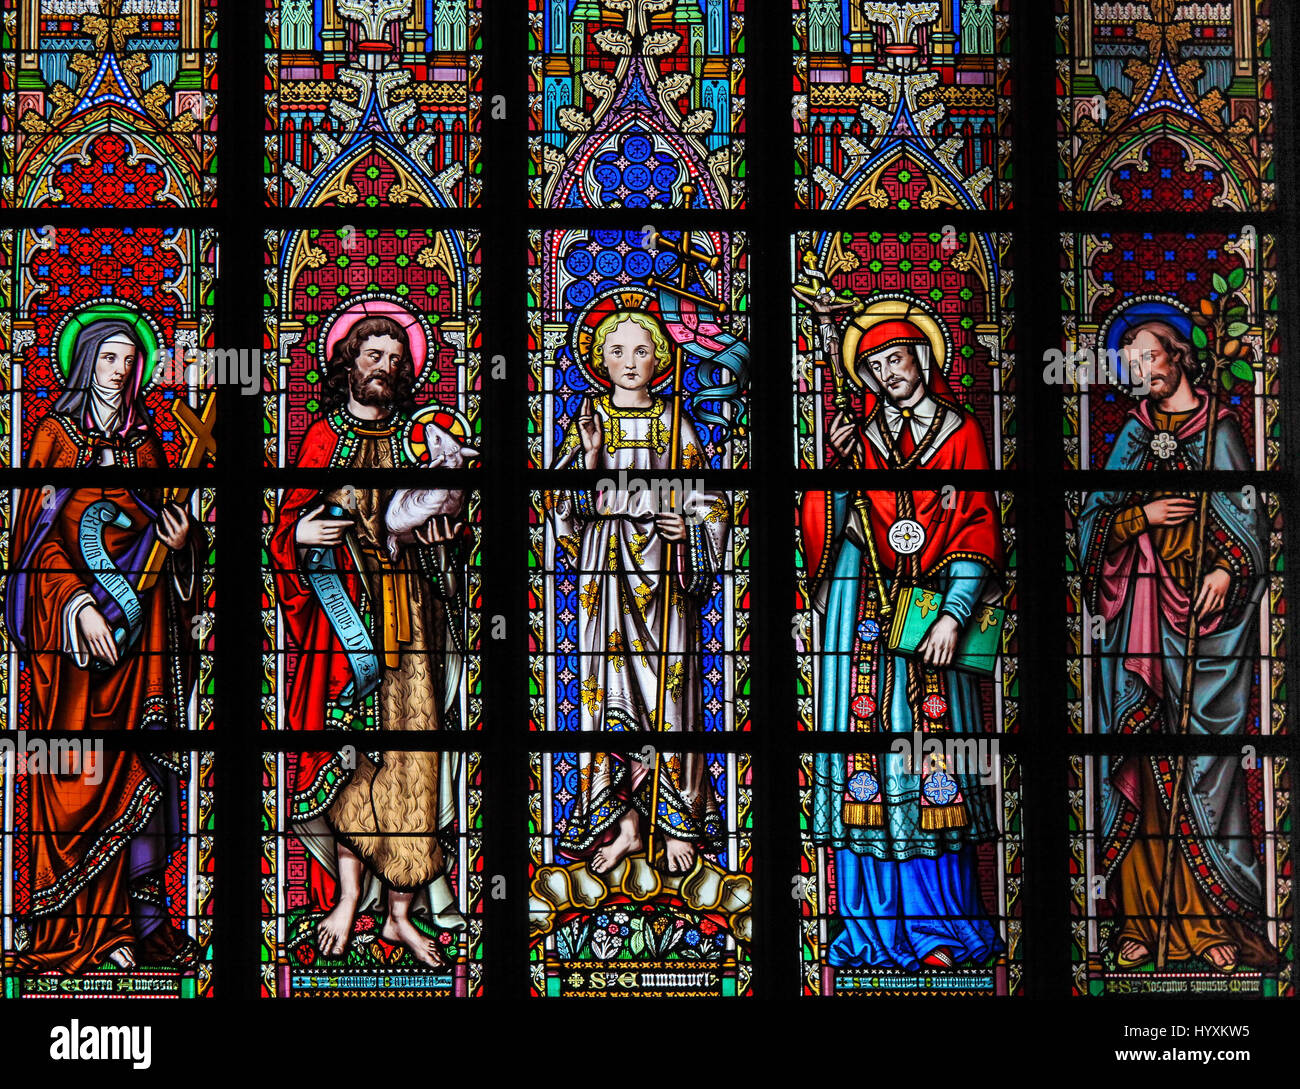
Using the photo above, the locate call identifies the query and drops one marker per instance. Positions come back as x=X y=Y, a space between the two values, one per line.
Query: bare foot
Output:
x=1223 y=957
x=334 y=932
x=422 y=947
x=122 y=957
x=1134 y=952
x=679 y=854
x=622 y=845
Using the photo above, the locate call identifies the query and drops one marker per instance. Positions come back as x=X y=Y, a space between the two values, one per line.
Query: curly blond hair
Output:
x=648 y=322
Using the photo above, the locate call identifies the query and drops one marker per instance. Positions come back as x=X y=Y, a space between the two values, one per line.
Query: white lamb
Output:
x=411 y=508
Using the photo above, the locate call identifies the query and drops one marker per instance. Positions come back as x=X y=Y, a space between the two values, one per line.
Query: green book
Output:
x=980 y=640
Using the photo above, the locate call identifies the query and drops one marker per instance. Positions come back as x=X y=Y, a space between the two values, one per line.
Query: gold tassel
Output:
x=864 y=814
x=935 y=817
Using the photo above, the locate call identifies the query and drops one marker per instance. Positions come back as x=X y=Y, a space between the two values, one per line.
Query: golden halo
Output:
x=632 y=298
x=895 y=308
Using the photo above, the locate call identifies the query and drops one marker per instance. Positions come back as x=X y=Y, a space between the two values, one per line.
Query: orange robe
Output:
x=79 y=833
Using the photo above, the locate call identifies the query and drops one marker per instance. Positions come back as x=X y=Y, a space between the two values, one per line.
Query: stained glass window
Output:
x=372 y=610
x=694 y=285
x=671 y=929
x=1137 y=933
x=374 y=105
x=67 y=290
x=850 y=623
x=326 y=289
x=911 y=859
x=862 y=425
x=133 y=846
x=108 y=848
x=955 y=286
x=956 y=929
x=419 y=604
x=1166 y=105
x=1123 y=291
x=615 y=644
x=1175 y=611
x=1158 y=911
x=904 y=363
x=110 y=104
x=639 y=582
x=423 y=939
x=637 y=105
x=902 y=106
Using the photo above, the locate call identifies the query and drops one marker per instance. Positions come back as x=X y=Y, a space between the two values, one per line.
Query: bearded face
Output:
x=1151 y=363
x=898 y=372
x=373 y=377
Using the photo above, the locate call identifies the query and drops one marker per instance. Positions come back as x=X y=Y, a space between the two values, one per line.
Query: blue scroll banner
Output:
x=327 y=585
x=90 y=538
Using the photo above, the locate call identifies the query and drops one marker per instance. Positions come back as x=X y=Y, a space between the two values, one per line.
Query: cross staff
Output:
x=201 y=444
x=688 y=253
x=831 y=306
x=689 y=257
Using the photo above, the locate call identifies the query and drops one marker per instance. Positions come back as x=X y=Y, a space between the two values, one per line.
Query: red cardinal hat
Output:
x=886 y=334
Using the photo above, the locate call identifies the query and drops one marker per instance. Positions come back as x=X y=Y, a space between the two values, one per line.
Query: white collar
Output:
x=105 y=406
x=922 y=414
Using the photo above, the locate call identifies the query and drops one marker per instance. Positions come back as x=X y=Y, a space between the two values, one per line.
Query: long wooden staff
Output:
x=666 y=604
x=842 y=404
x=1189 y=667
x=687 y=252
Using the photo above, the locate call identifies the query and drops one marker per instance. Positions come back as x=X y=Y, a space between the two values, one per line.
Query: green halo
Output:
x=74 y=323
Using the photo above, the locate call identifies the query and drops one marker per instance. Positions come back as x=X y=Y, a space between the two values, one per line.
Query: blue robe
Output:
x=904 y=891
x=1225 y=660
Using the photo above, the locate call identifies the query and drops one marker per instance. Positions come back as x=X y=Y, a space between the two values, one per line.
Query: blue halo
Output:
x=1141 y=310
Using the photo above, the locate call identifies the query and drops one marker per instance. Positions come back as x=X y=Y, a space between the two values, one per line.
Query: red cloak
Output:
x=967 y=526
x=317 y=667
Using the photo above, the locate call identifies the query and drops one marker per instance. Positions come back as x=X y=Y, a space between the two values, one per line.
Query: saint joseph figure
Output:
x=99 y=850
x=1139 y=550
x=639 y=629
